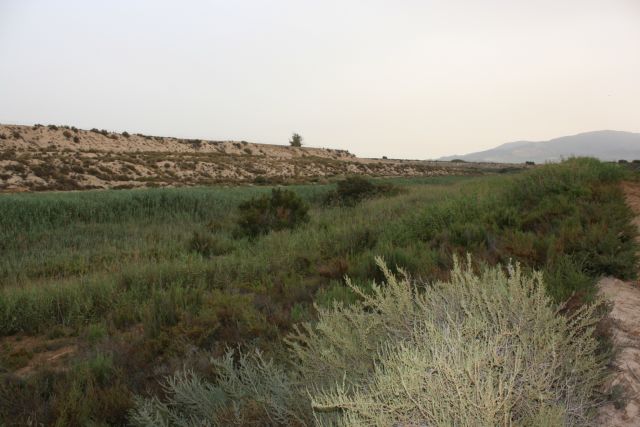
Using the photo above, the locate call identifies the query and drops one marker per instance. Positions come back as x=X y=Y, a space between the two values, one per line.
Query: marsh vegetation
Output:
x=143 y=284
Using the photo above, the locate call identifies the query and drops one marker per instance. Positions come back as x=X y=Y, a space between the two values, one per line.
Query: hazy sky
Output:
x=414 y=79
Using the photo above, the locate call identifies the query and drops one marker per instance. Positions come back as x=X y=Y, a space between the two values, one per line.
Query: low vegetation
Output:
x=394 y=356
x=209 y=245
x=354 y=189
x=278 y=211
x=136 y=285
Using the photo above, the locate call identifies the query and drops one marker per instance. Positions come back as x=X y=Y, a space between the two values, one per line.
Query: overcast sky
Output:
x=413 y=79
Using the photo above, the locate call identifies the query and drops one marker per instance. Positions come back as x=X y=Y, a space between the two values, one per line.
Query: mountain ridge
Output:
x=608 y=145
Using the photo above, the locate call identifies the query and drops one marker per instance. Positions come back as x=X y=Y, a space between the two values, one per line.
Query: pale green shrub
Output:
x=253 y=392
x=484 y=349
x=478 y=350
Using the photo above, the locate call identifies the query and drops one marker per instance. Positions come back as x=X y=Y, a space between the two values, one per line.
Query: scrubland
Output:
x=153 y=307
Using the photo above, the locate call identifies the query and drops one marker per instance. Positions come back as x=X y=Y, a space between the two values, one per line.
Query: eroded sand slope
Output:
x=41 y=158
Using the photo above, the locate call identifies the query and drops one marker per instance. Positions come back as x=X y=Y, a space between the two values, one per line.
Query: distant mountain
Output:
x=603 y=144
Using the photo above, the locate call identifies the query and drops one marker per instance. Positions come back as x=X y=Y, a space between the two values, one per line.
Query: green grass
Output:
x=123 y=261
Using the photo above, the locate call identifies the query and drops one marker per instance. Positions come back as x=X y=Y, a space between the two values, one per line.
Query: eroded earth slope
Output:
x=40 y=158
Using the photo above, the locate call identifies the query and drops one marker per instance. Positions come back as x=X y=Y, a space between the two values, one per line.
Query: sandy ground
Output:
x=625 y=315
x=45 y=158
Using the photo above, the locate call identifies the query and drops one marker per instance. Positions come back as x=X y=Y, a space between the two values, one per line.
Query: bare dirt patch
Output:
x=29 y=354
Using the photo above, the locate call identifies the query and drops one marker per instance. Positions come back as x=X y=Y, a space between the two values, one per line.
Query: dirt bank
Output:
x=625 y=316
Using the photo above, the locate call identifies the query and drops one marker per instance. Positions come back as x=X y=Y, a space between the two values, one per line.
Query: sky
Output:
x=406 y=78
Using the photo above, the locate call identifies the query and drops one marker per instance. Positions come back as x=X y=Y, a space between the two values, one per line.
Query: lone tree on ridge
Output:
x=296 y=140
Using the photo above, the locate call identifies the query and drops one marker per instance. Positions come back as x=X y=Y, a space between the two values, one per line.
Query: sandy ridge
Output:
x=45 y=158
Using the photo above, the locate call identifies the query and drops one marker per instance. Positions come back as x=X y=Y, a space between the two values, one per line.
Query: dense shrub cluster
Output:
x=354 y=189
x=209 y=245
x=102 y=132
x=280 y=210
x=568 y=219
x=396 y=356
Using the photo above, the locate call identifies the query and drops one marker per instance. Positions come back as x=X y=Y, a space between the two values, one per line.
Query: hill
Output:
x=605 y=145
x=39 y=158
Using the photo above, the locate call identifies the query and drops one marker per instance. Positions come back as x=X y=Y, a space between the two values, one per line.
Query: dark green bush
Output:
x=565 y=277
x=296 y=140
x=18 y=168
x=355 y=188
x=280 y=210
x=260 y=180
x=208 y=245
x=352 y=190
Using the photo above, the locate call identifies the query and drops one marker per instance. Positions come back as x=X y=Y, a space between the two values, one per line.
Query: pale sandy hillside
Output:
x=36 y=158
x=70 y=138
